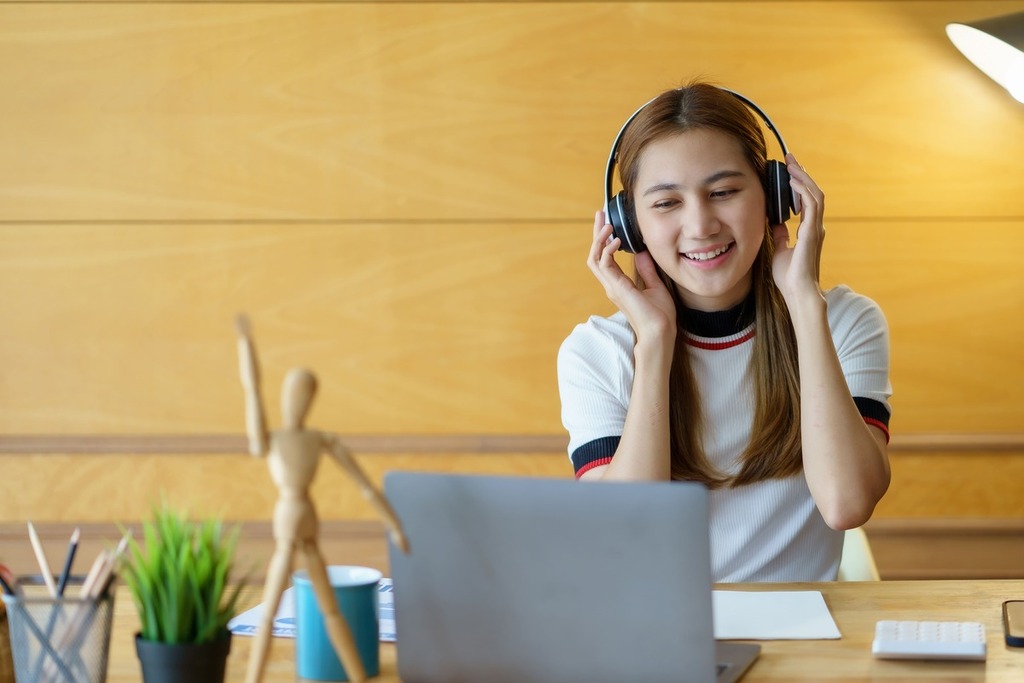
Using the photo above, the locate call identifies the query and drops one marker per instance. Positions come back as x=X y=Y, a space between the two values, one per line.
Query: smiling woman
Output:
x=727 y=364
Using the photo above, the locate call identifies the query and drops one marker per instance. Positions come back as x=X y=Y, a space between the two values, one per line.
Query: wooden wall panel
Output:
x=952 y=293
x=948 y=548
x=434 y=328
x=399 y=194
x=946 y=485
x=94 y=488
x=411 y=328
x=478 y=110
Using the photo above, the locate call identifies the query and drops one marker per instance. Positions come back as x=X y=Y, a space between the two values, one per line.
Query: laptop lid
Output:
x=552 y=580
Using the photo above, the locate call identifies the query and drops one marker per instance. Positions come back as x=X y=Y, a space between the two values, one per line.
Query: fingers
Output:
x=599 y=222
x=810 y=195
x=811 y=231
x=780 y=235
x=648 y=272
x=603 y=248
x=601 y=261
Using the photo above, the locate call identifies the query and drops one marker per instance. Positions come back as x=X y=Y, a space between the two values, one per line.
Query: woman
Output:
x=726 y=363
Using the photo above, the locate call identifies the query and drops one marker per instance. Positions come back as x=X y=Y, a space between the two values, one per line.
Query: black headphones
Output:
x=779 y=196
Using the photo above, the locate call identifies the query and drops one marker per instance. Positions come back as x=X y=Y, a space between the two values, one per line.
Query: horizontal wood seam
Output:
x=235 y=444
x=150 y=444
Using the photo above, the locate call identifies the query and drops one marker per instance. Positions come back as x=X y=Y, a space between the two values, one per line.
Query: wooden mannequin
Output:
x=293 y=454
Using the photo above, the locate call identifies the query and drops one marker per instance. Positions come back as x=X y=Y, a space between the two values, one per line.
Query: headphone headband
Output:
x=779 y=198
x=613 y=155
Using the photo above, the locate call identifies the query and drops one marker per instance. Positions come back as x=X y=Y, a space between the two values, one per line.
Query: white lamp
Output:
x=996 y=46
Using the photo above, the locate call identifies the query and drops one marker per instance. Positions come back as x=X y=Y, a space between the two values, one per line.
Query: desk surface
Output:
x=855 y=606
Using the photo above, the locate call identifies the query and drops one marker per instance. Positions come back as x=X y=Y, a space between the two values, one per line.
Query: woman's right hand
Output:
x=651 y=311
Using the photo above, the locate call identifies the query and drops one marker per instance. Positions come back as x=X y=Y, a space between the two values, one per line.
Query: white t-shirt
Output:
x=767 y=531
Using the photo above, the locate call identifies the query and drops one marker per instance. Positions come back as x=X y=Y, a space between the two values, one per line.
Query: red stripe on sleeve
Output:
x=591 y=465
x=881 y=425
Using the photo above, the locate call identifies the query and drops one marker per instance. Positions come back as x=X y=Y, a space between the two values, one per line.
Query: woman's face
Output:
x=701 y=210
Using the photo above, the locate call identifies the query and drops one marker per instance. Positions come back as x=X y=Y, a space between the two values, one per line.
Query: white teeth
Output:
x=707 y=255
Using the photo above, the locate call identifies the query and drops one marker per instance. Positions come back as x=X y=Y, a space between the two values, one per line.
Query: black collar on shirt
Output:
x=715 y=324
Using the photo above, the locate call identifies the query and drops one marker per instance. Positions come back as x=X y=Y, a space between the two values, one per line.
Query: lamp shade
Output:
x=996 y=46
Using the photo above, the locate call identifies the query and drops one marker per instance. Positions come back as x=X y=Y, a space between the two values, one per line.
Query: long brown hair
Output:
x=774 y=448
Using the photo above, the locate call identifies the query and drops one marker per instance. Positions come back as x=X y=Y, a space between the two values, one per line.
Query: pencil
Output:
x=44 y=566
x=104 y=570
x=90 y=579
x=66 y=572
x=115 y=558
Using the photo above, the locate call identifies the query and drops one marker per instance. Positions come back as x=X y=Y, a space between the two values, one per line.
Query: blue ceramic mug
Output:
x=355 y=591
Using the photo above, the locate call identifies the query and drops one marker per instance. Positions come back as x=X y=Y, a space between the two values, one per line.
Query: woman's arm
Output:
x=643 y=452
x=845 y=460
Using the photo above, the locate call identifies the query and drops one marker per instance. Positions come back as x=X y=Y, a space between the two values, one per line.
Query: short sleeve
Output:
x=595 y=378
x=861 y=337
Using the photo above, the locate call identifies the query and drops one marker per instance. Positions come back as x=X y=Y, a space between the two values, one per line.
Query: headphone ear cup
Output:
x=777 y=193
x=623 y=222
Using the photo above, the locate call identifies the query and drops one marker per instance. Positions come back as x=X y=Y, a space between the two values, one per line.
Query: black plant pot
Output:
x=183 y=663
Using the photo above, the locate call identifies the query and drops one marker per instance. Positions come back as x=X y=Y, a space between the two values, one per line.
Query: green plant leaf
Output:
x=178 y=581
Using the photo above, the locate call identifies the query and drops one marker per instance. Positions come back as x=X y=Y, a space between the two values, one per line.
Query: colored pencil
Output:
x=68 y=561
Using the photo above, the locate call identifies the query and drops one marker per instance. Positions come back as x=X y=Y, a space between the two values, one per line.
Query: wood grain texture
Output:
x=947 y=548
x=455 y=111
x=96 y=488
x=411 y=328
x=234 y=444
x=434 y=328
x=955 y=484
x=952 y=293
x=477 y=444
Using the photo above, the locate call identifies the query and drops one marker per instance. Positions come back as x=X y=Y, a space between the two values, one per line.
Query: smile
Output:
x=708 y=255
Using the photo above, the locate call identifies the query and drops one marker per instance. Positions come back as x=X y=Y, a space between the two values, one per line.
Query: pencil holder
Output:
x=59 y=640
x=6 y=663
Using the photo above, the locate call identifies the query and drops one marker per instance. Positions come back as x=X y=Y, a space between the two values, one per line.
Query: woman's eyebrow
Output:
x=661 y=187
x=721 y=175
x=711 y=179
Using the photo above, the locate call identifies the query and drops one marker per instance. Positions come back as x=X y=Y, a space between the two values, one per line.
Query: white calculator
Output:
x=929 y=640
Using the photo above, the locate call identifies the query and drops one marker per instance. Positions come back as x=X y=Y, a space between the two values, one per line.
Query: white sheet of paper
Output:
x=248 y=622
x=772 y=615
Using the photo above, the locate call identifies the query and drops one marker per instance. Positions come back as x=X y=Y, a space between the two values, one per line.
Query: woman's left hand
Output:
x=797 y=269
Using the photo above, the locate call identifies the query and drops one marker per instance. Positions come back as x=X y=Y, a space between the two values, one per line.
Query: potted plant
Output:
x=180 y=585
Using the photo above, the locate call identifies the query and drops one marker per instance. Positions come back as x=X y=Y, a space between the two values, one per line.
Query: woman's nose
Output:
x=700 y=221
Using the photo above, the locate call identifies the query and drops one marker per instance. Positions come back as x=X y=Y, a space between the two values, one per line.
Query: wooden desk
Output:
x=855 y=606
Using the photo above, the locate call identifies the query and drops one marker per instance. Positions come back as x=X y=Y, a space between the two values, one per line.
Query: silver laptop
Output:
x=532 y=580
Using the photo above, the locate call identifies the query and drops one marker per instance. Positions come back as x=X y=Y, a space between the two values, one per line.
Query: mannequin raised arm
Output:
x=340 y=453
x=255 y=422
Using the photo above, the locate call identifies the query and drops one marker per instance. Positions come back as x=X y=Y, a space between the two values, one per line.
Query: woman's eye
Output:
x=665 y=204
x=721 y=194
